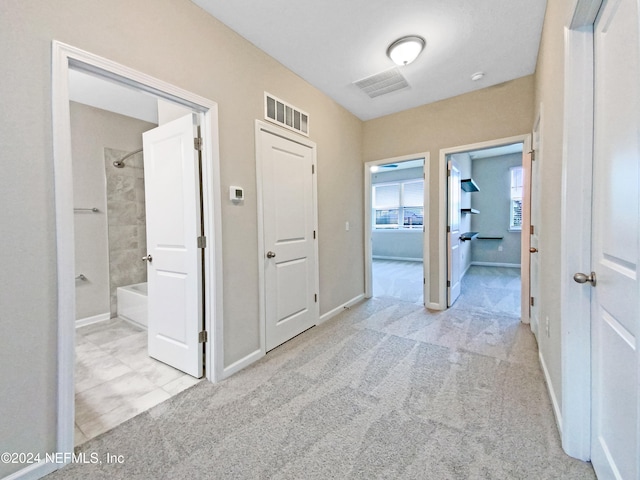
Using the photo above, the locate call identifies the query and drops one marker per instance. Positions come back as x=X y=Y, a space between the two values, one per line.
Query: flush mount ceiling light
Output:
x=477 y=76
x=406 y=49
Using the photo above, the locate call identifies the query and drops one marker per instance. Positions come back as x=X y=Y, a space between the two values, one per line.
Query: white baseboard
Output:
x=552 y=393
x=34 y=471
x=95 y=319
x=340 y=308
x=404 y=259
x=496 y=264
x=242 y=363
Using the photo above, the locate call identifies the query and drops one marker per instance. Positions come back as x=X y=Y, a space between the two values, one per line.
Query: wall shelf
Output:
x=468 y=185
x=468 y=236
x=469 y=210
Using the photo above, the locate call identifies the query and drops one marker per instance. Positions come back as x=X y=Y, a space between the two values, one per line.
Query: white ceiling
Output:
x=496 y=151
x=114 y=97
x=333 y=43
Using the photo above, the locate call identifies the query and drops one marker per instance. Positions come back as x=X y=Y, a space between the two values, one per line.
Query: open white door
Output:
x=174 y=271
x=534 y=255
x=453 y=234
x=615 y=289
x=290 y=255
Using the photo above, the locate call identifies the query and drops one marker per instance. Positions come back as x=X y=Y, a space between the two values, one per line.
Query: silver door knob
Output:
x=584 y=278
x=271 y=254
x=533 y=250
x=148 y=258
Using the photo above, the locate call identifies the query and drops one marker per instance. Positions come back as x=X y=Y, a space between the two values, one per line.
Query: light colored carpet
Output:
x=386 y=389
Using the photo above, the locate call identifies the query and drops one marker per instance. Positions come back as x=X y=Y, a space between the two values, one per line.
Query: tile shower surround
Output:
x=126 y=222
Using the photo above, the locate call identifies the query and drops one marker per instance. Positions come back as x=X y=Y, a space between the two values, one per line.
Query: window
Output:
x=399 y=205
x=515 y=212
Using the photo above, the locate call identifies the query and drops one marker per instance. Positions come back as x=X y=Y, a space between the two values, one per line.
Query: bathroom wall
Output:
x=494 y=202
x=397 y=244
x=92 y=130
x=126 y=221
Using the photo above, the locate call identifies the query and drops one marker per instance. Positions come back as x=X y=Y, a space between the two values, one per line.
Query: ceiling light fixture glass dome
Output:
x=406 y=49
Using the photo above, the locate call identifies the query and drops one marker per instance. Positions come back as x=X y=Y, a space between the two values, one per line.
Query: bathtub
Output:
x=132 y=303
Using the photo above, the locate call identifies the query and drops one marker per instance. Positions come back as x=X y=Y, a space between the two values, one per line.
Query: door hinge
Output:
x=531 y=301
x=533 y=155
x=197 y=143
x=202 y=241
x=315 y=297
x=448 y=229
x=531 y=229
x=424 y=281
x=203 y=337
x=313 y=169
x=448 y=283
x=314 y=234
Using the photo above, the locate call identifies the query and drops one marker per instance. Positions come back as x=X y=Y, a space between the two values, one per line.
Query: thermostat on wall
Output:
x=236 y=194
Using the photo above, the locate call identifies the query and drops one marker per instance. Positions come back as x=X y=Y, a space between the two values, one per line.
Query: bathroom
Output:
x=115 y=378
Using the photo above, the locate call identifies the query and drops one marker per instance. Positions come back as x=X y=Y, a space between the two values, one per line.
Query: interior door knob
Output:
x=148 y=258
x=584 y=278
x=533 y=250
x=271 y=254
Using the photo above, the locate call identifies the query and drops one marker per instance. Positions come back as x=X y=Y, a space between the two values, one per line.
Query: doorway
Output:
x=396 y=191
x=481 y=220
x=66 y=58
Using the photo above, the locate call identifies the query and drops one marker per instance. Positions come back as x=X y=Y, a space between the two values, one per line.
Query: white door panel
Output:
x=288 y=223
x=615 y=312
x=534 y=254
x=453 y=235
x=173 y=225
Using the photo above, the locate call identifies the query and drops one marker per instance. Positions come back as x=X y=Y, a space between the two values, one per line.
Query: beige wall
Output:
x=497 y=112
x=179 y=43
x=92 y=130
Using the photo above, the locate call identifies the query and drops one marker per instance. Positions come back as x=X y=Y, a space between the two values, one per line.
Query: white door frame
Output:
x=65 y=57
x=442 y=220
x=297 y=138
x=577 y=163
x=368 y=226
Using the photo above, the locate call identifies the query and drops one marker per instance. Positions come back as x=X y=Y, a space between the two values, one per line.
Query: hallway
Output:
x=386 y=389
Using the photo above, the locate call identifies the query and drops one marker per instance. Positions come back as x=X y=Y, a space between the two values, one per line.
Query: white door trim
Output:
x=368 y=253
x=577 y=180
x=294 y=137
x=577 y=163
x=442 y=220
x=64 y=56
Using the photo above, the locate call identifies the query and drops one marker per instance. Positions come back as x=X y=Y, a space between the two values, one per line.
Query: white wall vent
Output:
x=285 y=115
x=382 y=83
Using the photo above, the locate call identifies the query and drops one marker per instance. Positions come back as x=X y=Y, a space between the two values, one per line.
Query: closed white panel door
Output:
x=289 y=245
x=615 y=297
x=453 y=234
x=174 y=270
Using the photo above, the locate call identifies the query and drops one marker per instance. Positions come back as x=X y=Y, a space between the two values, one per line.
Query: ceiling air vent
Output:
x=285 y=115
x=382 y=83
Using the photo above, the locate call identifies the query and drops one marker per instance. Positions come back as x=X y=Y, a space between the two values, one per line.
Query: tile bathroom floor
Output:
x=115 y=379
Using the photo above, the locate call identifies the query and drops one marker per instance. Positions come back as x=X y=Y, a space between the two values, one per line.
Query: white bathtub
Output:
x=132 y=303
